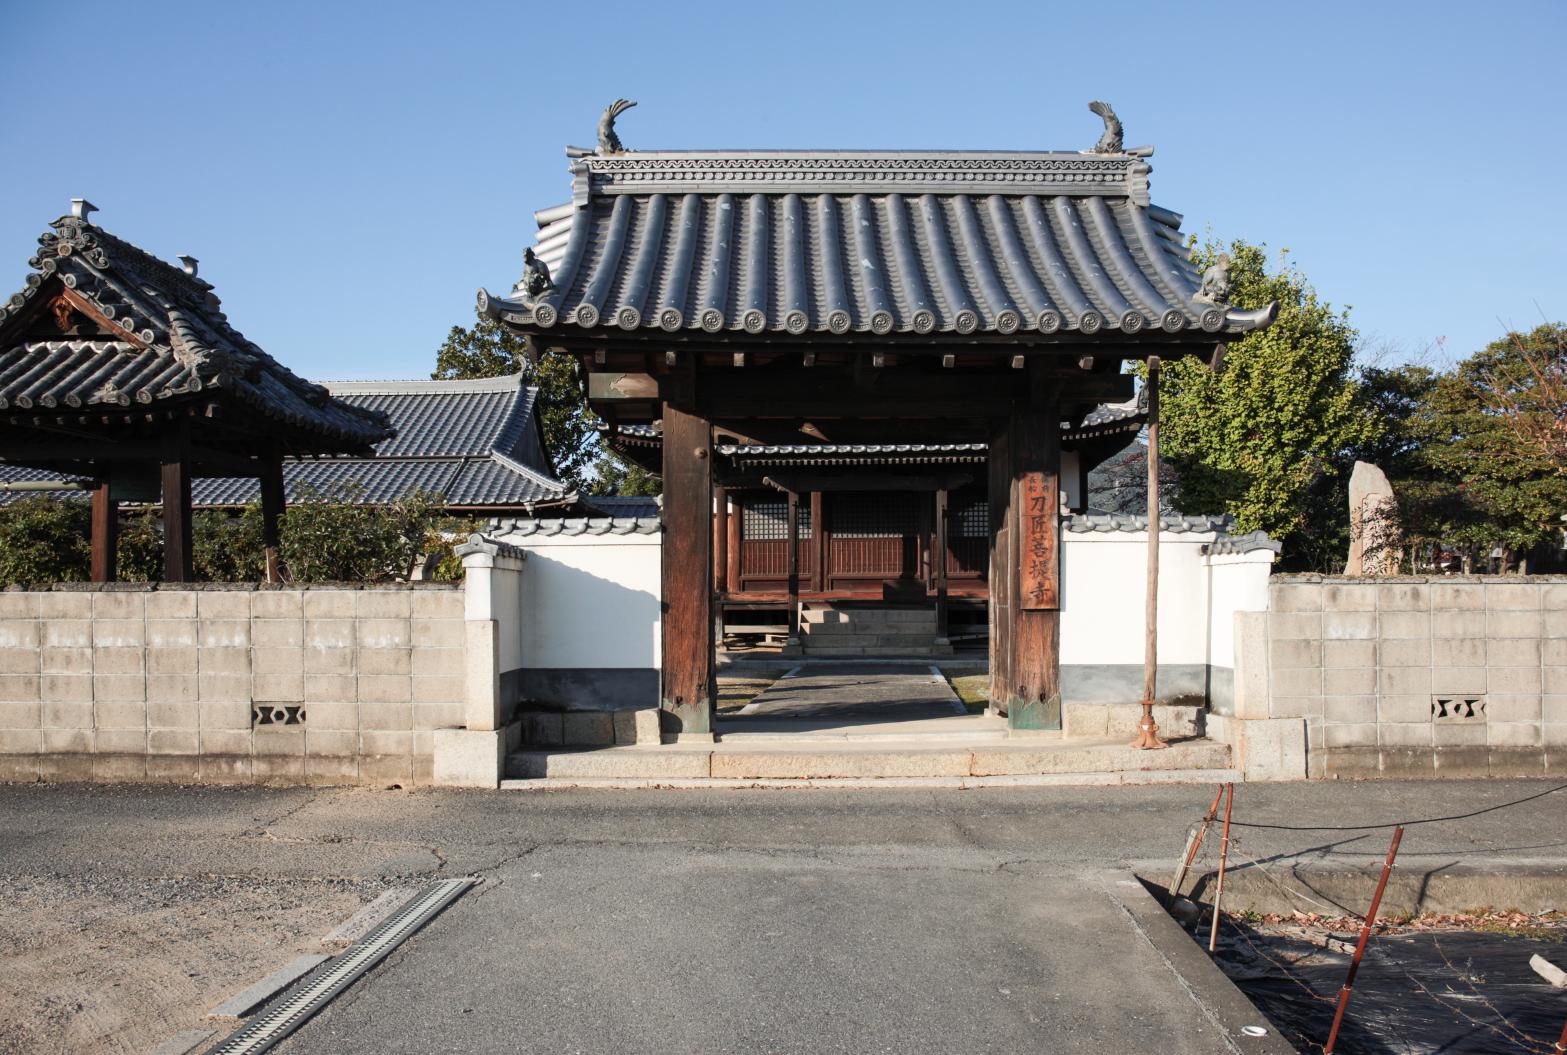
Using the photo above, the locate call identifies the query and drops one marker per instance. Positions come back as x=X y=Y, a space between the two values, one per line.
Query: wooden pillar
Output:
x=939 y=565
x=272 y=514
x=105 y=534
x=721 y=541
x=1025 y=565
x=794 y=567
x=177 y=558
x=686 y=687
x=819 y=541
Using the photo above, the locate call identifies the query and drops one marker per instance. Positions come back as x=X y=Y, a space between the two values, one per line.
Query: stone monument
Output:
x=1375 y=544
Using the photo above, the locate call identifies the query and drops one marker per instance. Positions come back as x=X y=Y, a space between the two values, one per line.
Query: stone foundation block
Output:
x=68 y=769
x=118 y=768
x=469 y=758
x=278 y=769
x=1266 y=748
x=19 y=768
x=330 y=770
x=224 y=769
x=174 y=769
x=587 y=729
x=542 y=729
x=386 y=769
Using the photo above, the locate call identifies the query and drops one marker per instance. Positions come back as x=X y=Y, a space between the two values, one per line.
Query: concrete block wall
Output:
x=141 y=683
x=1419 y=677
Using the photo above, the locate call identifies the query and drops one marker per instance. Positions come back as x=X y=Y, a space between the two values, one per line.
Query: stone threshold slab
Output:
x=808 y=760
x=1038 y=780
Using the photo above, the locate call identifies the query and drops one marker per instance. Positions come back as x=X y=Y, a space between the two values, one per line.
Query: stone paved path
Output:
x=856 y=693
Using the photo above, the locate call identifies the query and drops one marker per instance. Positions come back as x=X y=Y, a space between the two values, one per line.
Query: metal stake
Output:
x=1360 y=949
x=1224 y=857
x=1194 y=843
x=1561 y=1045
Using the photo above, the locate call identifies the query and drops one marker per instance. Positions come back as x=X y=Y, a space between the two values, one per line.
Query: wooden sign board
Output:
x=1039 y=551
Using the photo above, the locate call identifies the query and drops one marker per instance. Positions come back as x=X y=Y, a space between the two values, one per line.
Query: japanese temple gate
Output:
x=743 y=300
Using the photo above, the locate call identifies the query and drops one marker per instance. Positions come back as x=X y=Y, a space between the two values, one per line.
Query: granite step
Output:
x=1035 y=755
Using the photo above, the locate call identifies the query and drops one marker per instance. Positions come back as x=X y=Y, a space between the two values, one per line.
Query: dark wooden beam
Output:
x=272 y=501
x=858 y=479
x=1025 y=578
x=686 y=694
x=939 y=564
x=721 y=540
x=819 y=541
x=105 y=534
x=178 y=565
x=794 y=567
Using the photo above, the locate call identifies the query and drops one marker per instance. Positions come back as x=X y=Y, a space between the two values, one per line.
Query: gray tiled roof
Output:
x=1104 y=522
x=171 y=343
x=475 y=443
x=578 y=526
x=908 y=243
x=750 y=449
x=620 y=506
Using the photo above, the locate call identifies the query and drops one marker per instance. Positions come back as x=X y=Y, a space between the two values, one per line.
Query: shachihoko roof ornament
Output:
x=1216 y=282
x=609 y=142
x=832 y=243
x=1110 y=141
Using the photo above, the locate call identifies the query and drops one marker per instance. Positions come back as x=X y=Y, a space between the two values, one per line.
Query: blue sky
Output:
x=349 y=174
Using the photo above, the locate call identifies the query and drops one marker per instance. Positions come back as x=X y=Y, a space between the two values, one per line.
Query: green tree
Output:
x=1506 y=488
x=614 y=475
x=1264 y=437
x=45 y=539
x=488 y=349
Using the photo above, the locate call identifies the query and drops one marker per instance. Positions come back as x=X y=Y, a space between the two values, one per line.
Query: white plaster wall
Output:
x=1072 y=479
x=1103 y=590
x=1237 y=582
x=506 y=588
x=588 y=601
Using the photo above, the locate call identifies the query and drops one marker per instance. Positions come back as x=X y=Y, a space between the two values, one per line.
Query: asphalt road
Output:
x=751 y=921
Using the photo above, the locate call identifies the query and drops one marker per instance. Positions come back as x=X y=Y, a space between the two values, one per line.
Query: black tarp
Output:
x=1453 y=992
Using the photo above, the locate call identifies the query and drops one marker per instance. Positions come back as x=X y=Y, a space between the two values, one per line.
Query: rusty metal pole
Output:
x=1561 y=1045
x=1224 y=858
x=1360 y=948
x=1195 y=844
x=1147 y=730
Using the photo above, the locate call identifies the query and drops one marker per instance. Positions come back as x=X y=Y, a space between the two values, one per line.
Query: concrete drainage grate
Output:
x=278 y=1021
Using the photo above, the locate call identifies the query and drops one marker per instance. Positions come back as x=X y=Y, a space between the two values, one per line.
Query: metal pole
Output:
x=1194 y=843
x=1147 y=730
x=1360 y=948
x=1224 y=857
x=1561 y=1045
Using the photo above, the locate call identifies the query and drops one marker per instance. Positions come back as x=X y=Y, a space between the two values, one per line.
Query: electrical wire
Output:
x=1395 y=824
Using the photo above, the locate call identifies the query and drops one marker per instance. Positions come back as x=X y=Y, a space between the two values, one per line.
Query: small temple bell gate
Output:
x=844 y=297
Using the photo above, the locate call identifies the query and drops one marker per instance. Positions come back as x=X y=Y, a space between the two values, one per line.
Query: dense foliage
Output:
x=1472 y=473
x=324 y=539
x=1265 y=439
